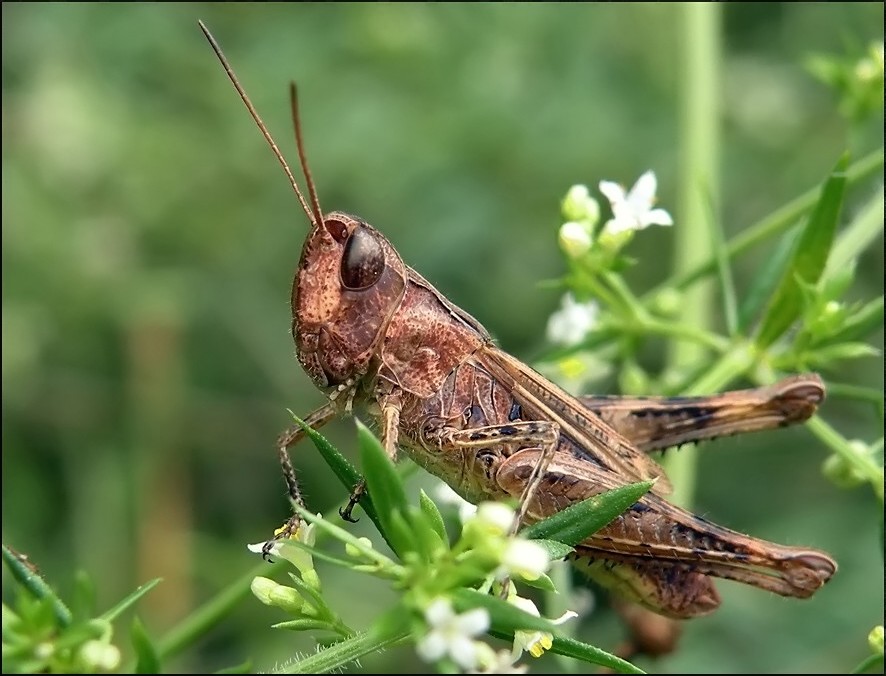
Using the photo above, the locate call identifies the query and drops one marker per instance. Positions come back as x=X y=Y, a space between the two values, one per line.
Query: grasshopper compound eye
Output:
x=363 y=260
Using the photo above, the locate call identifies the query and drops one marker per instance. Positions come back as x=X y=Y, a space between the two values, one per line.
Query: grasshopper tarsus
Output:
x=356 y=495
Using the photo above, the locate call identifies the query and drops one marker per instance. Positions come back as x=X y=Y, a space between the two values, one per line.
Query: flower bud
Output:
x=273 y=594
x=575 y=239
x=578 y=205
x=875 y=640
x=100 y=656
x=842 y=472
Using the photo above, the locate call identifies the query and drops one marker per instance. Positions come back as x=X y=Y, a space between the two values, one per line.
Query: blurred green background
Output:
x=149 y=240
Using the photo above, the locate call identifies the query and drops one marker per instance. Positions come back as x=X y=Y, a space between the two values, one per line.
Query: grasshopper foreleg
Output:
x=291 y=436
x=390 y=404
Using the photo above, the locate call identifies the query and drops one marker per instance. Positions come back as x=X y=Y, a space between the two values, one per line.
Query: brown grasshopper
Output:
x=370 y=331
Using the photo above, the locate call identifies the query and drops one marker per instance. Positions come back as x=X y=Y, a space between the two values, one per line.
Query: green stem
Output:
x=730 y=366
x=626 y=299
x=339 y=655
x=696 y=335
x=867 y=663
x=700 y=141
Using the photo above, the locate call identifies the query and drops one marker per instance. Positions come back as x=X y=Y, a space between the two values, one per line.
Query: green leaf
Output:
x=425 y=534
x=503 y=615
x=766 y=279
x=543 y=582
x=385 y=488
x=146 y=659
x=111 y=614
x=433 y=516
x=556 y=550
x=341 y=467
x=809 y=258
x=303 y=625
x=575 y=523
x=825 y=356
x=28 y=577
x=588 y=653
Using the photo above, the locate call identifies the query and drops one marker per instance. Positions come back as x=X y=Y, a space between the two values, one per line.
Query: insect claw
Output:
x=345 y=512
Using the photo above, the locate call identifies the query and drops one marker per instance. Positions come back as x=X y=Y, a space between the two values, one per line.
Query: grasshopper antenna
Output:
x=300 y=144
x=314 y=216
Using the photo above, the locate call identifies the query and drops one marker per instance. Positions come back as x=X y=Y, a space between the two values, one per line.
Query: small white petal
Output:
x=473 y=622
x=495 y=515
x=658 y=217
x=525 y=558
x=572 y=322
x=642 y=195
x=439 y=613
x=432 y=647
x=565 y=617
x=524 y=604
x=463 y=652
x=612 y=191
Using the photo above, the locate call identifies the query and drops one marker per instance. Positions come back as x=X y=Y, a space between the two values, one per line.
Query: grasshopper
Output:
x=372 y=332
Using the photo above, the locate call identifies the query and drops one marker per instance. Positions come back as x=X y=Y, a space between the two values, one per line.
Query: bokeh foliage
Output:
x=149 y=240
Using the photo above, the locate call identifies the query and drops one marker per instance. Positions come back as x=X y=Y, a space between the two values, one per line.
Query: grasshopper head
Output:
x=350 y=281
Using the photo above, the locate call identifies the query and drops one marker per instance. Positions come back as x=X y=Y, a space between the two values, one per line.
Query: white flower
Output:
x=534 y=642
x=297 y=556
x=633 y=211
x=525 y=558
x=451 y=634
x=447 y=496
x=574 y=238
x=495 y=517
x=572 y=322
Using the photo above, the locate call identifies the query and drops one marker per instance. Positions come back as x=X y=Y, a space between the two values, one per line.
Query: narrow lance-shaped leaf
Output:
x=386 y=489
x=344 y=470
x=766 y=279
x=432 y=515
x=808 y=260
x=30 y=579
x=578 y=521
x=146 y=658
x=112 y=613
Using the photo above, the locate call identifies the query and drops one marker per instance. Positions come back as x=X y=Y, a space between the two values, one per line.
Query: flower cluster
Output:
x=485 y=557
